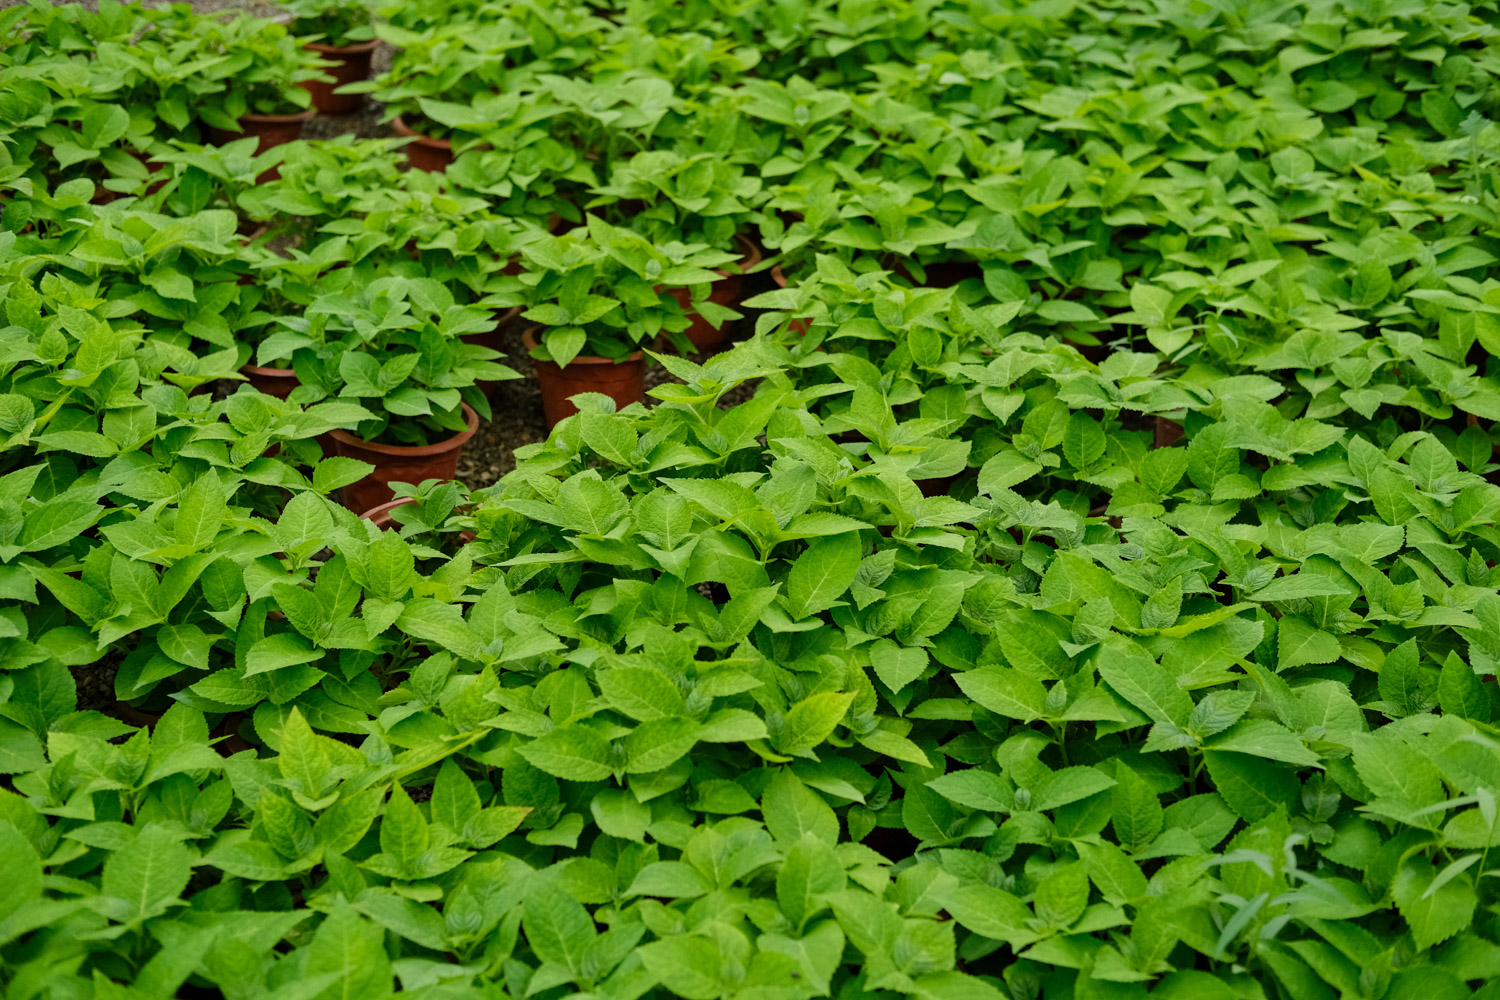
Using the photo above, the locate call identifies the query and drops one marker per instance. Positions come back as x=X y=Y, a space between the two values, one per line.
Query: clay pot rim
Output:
x=342 y=50
x=301 y=116
x=471 y=419
x=506 y=317
x=404 y=130
x=374 y=514
x=528 y=338
x=746 y=262
x=380 y=516
x=275 y=372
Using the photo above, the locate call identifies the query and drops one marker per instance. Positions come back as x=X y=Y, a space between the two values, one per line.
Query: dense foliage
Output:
x=1079 y=583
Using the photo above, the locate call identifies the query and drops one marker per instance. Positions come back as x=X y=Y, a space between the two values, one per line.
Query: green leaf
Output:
x=659 y=743
x=454 y=799
x=1264 y=738
x=275 y=652
x=976 y=789
x=1118 y=878
x=1008 y=693
x=810 y=868
x=335 y=472
x=1461 y=692
x=185 y=643
x=1371 y=284
x=1434 y=913
x=1136 y=814
x=1401 y=681
x=1069 y=785
x=792 y=811
x=687 y=965
x=822 y=574
x=149 y=873
x=1393 y=769
x=1252 y=787
x=1083 y=441
x=20 y=870
x=1062 y=896
x=897 y=666
x=304 y=760
x=1299 y=643
x=812 y=720
x=351 y=949
x=1140 y=680
x=557 y=927
x=403 y=831
x=670 y=880
x=440 y=624
x=574 y=752
x=200 y=513
x=620 y=814
x=640 y=693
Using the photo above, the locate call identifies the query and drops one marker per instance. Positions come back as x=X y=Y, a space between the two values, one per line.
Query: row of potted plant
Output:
x=1093 y=596
x=749 y=584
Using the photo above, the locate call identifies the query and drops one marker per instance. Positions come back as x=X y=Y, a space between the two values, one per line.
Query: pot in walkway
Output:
x=351 y=65
x=624 y=382
x=425 y=153
x=395 y=463
x=495 y=341
x=270 y=131
x=724 y=292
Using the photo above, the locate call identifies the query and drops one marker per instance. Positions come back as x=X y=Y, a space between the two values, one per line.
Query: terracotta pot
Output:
x=396 y=463
x=433 y=155
x=945 y=274
x=351 y=64
x=270 y=130
x=132 y=716
x=724 y=292
x=381 y=517
x=278 y=382
x=494 y=340
x=624 y=382
x=1166 y=433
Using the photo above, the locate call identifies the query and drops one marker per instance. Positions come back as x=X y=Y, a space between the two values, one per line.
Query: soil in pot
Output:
x=425 y=152
x=724 y=292
x=270 y=131
x=624 y=382
x=351 y=65
x=396 y=463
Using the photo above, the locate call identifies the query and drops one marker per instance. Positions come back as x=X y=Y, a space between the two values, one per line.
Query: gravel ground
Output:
x=517 y=406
